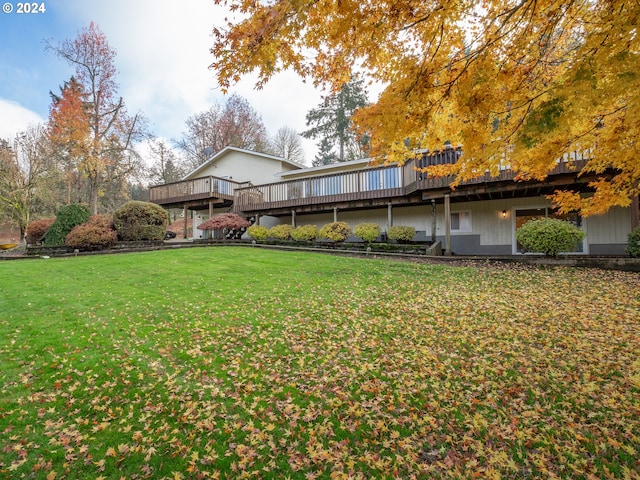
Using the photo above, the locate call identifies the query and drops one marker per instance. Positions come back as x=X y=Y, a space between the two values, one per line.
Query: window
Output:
x=372 y=180
x=461 y=221
x=333 y=185
x=294 y=190
x=390 y=177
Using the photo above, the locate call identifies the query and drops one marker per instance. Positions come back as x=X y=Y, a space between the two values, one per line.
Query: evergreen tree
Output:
x=331 y=122
x=325 y=155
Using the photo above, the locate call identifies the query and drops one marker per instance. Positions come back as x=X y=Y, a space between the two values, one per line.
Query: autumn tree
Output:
x=234 y=124
x=107 y=154
x=518 y=83
x=331 y=121
x=69 y=132
x=286 y=143
x=26 y=174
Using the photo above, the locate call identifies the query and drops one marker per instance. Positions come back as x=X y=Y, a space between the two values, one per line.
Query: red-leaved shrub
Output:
x=97 y=233
x=228 y=221
x=37 y=229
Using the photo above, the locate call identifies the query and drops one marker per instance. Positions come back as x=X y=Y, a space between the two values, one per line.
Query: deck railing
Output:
x=359 y=185
x=198 y=188
x=369 y=183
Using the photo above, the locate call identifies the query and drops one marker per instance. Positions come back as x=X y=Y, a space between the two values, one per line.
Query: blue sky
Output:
x=162 y=58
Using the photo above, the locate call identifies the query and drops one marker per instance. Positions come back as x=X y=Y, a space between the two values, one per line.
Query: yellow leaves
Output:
x=476 y=371
x=481 y=77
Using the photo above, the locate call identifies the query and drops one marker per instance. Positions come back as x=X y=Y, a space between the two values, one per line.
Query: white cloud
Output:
x=15 y=118
x=163 y=59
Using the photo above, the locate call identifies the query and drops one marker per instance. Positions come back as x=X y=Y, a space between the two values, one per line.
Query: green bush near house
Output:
x=304 y=233
x=550 y=236
x=336 y=231
x=368 y=232
x=97 y=233
x=67 y=218
x=280 y=232
x=401 y=233
x=258 y=232
x=633 y=243
x=137 y=221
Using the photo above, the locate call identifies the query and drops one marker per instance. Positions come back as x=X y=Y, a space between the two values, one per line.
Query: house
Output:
x=479 y=217
x=211 y=188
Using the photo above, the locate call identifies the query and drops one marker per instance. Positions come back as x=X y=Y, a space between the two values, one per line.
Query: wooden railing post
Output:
x=185 y=231
x=447 y=224
x=433 y=221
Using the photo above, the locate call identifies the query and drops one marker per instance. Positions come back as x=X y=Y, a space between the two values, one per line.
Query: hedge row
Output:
x=75 y=228
x=335 y=231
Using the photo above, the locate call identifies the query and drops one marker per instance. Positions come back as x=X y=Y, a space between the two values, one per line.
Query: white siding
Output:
x=611 y=228
x=245 y=167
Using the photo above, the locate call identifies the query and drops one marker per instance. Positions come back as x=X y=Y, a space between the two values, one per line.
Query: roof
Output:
x=331 y=166
x=218 y=155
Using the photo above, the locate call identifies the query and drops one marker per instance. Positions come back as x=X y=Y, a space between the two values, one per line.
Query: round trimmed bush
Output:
x=257 y=232
x=137 y=221
x=280 y=232
x=67 y=218
x=37 y=229
x=336 y=231
x=402 y=234
x=549 y=236
x=305 y=233
x=97 y=233
x=368 y=232
x=633 y=243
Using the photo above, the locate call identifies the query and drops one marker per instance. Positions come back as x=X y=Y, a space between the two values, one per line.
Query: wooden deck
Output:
x=379 y=187
x=196 y=192
x=364 y=188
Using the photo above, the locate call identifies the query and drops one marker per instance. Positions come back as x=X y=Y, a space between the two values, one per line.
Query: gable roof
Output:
x=226 y=150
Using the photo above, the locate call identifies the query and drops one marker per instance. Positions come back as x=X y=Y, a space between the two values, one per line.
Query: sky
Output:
x=162 y=58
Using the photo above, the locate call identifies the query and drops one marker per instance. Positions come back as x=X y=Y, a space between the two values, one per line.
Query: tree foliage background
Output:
x=331 y=123
x=90 y=121
x=235 y=124
x=517 y=83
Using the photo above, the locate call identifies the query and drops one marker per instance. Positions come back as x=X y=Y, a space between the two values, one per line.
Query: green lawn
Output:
x=247 y=363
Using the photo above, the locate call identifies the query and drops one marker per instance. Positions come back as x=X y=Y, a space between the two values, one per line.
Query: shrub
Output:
x=136 y=221
x=633 y=244
x=368 y=232
x=257 y=232
x=281 y=232
x=549 y=236
x=97 y=233
x=305 y=233
x=224 y=221
x=37 y=229
x=401 y=233
x=336 y=231
x=67 y=217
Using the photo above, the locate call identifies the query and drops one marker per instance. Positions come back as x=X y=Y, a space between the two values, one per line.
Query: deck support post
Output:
x=293 y=219
x=433 y=221
x=210 y=209
x=185 y=231
x=447 y=224
x=335 y=214
x=389 y=215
